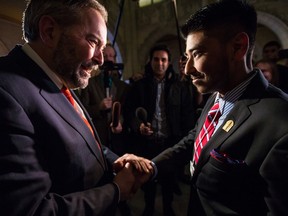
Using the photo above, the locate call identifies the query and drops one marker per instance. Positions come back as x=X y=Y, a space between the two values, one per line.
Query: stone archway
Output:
x=276 y=25
x=269 y=28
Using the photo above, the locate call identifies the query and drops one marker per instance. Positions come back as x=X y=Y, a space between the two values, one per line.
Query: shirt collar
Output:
x=232 y=96
x=37 y=59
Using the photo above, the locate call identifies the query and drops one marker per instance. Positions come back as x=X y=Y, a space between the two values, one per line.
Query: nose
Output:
x=98 y=57
x=157 y=62
x=189 y=67
x=109 y=58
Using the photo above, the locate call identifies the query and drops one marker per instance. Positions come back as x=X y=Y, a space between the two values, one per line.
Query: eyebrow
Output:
x=197 y=47
x=162 y=58
x=101 y=42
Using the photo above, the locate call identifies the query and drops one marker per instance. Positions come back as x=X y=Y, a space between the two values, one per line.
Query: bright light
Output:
x=143 y=3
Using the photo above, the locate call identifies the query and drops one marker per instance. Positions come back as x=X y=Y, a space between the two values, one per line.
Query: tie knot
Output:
x=214 y=112
x=215 y=106
x=64 y=89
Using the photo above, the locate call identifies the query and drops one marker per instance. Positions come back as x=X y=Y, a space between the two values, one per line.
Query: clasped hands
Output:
x=131 y=172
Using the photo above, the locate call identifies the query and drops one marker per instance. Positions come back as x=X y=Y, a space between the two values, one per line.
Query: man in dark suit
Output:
x=242 y=169
x=51 y=163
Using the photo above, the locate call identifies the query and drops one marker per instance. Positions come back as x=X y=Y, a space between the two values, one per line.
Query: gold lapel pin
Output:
x=228 y=125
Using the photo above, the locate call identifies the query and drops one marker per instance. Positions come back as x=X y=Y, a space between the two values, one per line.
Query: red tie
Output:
x=68 y=95
x=207 y=130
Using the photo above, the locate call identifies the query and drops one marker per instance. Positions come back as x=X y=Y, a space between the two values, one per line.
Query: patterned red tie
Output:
x=207 y=130
x=69 y=96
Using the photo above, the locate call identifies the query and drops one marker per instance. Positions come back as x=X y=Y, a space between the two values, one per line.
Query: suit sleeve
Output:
x=176 y=156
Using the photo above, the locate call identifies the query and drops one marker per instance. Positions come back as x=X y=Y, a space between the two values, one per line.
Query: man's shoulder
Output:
x=14 y=62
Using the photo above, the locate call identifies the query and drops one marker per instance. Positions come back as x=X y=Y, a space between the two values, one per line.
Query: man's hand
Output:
x=125 y=180
x=142 y=169
x=116 y=130
x=146 y=130
x=129 y=178
x=106 y=103
x=140 y=164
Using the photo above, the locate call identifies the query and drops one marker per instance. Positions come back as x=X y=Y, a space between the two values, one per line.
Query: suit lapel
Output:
x=97 y=138
x=62 y=106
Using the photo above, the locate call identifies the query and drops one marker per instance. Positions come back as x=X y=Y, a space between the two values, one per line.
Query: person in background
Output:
x=271 y=52
x=98 y=97
x=239 y=147
x=51 y=159
x=167 y=114
x=269 y=70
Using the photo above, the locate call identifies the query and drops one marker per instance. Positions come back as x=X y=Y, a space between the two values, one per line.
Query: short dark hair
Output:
x=159 y=47
x=223 y=20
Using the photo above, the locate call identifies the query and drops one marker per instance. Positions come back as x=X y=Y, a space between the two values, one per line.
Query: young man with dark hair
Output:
x=239 y=148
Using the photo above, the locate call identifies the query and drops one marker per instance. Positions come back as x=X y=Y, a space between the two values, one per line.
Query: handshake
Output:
x=131 y=172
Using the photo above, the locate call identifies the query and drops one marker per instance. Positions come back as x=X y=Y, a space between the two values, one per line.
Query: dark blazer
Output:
x=258 y=138
x=50 y=163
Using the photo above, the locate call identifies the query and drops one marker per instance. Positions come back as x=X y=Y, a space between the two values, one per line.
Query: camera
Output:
x=109 y=66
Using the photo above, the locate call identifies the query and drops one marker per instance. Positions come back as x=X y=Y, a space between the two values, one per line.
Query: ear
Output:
x=48 y=30
x=240 y=45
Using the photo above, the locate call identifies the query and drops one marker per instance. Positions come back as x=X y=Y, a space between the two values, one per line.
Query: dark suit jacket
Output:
x=50 y=163
x=259 y=138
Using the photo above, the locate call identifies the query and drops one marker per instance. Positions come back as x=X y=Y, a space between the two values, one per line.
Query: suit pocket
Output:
x=219 y=177
x=233 y=186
